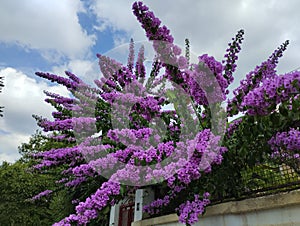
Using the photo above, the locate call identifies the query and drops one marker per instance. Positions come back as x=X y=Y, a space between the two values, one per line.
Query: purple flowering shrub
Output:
x=114 y=144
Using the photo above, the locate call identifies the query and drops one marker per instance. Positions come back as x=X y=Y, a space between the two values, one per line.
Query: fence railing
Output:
x=265 y=179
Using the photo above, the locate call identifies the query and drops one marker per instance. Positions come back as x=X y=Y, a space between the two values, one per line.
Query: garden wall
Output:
x=274 y=210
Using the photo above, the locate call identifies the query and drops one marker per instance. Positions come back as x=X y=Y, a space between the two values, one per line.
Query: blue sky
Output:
x=59 y=35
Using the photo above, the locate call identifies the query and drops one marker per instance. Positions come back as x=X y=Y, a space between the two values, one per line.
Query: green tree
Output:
x=59 y=203
x=18 y=185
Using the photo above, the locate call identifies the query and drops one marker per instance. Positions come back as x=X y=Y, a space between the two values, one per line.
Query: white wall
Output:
x=275 y=210
x=289 y=216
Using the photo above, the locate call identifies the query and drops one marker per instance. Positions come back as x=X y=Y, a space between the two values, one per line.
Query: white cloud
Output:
x=117 y=15
x=9 y=144
x=22 y=96
x=86 y=70
x=51 y=27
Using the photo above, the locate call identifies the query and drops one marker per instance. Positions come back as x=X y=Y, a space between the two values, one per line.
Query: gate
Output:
x=126 y=214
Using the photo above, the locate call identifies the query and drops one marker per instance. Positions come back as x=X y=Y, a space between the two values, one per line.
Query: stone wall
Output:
x=275 y=210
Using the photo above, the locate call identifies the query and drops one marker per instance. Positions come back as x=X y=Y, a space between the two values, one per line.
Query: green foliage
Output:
x=17 y=185
x=39 y=142
x=59 y=205
x=248 y=167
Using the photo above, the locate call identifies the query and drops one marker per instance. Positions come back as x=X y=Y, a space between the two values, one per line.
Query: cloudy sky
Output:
x=59 y=35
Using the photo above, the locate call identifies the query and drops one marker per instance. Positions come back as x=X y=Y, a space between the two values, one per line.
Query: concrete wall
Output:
x=274 y=210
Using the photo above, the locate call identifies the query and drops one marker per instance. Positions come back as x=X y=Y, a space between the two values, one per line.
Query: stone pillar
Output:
x=142 y=198
x=114 y=215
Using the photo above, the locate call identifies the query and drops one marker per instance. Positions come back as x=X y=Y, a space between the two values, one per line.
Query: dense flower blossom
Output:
x=151 y=24
x=69 y=83
x=190 y=211
x=144 y=145
x=216 y=68
x=131 y=56
x=231 y=56
x=60 y=100
x=206 y=154
x=286 y=145
x=264 y=99
x=56 y=156
x=139 y=67
x=233 y=126
x=86 y=211
x=253 y=79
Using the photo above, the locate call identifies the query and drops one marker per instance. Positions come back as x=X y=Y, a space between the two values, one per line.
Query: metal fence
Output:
x=265 y=179
x=271 y=178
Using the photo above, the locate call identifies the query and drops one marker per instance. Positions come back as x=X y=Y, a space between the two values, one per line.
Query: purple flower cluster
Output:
x=57 y=156
x=131 y=56
x=151 y=24
x=42 y=194
x=204 y=154
x=77 y=124
x=63 y=137
x=61 y=100
x=71 y=83
x=264 y=99
x=233 y=126
x=115 y=74
x=286 y=145
x=155 y=206
x=140 y=70
x=253 y=79
x=206 y=84
x=216 y=68
x=167 y=52
x=189 y=211
x=231 y=56
x=75 y=182
x=86 y=211
x=59 y=125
